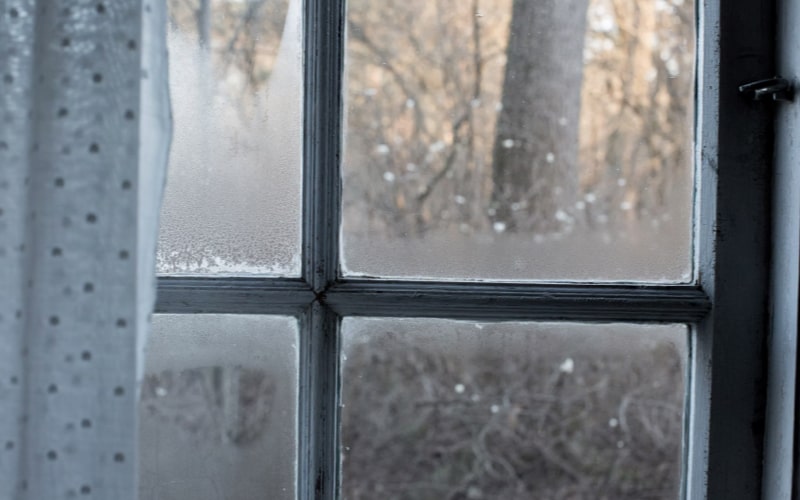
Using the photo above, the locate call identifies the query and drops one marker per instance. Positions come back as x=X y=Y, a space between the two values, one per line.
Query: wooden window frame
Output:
x=726 y=306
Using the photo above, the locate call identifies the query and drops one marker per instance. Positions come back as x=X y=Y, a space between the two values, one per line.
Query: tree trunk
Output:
x=535 y=152
x=204 y=24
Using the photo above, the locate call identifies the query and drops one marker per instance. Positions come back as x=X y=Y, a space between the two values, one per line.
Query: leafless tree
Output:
x=427 y=424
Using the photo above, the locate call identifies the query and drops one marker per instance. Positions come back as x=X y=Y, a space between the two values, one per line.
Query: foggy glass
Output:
x=519 y=139
x=436 y=409
x=232 y=203
x=218 y=409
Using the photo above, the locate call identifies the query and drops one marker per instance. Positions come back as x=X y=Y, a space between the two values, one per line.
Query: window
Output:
x=307 y=296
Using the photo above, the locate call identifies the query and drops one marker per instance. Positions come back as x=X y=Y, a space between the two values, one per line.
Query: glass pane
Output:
x=218 y=409
x=232 y=203
x=519 y=139
x=436 y=409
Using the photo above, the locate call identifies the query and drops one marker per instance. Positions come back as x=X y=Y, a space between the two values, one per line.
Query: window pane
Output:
x=519 y=139
x=218 y=410
x=436 y=409
x=232 y=202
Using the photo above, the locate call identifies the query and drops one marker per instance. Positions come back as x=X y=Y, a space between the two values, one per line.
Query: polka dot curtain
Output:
x=84 y=135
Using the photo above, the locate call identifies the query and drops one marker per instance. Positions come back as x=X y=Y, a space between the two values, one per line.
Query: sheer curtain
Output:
x=84 y=136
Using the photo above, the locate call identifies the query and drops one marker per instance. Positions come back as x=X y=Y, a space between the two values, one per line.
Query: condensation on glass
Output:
x=218 y=408
x=232 y=203
x=519 y=139
x=436 y=409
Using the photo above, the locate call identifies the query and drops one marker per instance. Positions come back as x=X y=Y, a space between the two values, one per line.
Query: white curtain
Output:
x=84 y=135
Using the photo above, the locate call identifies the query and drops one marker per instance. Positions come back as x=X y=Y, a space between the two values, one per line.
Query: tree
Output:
x=535 y=156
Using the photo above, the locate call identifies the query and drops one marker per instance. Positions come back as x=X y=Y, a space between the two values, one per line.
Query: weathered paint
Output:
x=782 y=344
x=727 y=388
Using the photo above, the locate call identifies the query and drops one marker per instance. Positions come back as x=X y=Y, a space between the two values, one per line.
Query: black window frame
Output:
x=727 y=306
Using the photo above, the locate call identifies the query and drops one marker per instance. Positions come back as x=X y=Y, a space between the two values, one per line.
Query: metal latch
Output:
x=776 y=89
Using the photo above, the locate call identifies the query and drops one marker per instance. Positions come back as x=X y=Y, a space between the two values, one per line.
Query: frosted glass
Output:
x=232 y=203
x=218 y=409
x=436 y=409
x=519 y=139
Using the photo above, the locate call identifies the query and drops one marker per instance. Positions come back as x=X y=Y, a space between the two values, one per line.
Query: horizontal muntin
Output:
x=493 y=301
x=232 y=295
x=488 y=301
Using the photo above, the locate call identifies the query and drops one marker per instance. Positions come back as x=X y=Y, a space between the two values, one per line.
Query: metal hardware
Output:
x=776 y=89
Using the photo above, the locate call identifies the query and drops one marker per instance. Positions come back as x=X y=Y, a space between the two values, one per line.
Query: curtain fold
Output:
x=84 y=138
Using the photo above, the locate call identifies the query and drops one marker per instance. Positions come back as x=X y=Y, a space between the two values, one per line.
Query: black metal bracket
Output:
x=776 y=89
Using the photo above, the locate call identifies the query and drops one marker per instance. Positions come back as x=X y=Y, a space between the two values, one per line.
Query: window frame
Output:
x=727 y=306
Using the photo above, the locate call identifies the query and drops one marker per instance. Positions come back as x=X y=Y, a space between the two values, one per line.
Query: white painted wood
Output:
x=782 y=343
x=706 y=155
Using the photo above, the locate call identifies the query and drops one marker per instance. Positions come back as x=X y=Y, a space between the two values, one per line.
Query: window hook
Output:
x=776 y=89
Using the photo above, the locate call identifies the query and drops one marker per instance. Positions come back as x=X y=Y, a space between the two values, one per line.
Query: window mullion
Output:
x=318 y=476
x=318 y=420
x=322 y=105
